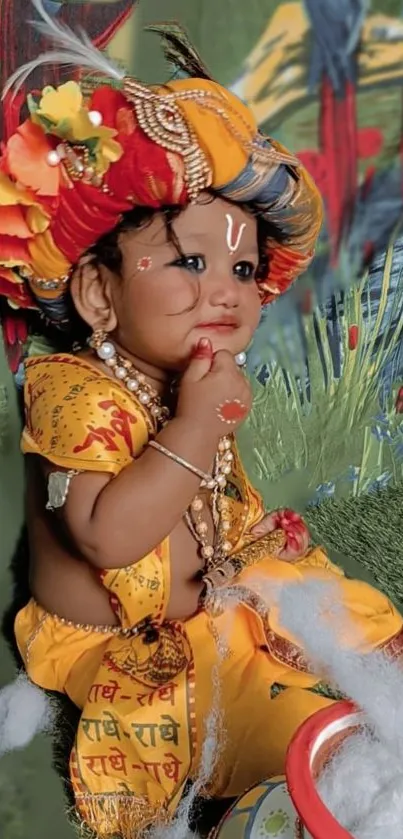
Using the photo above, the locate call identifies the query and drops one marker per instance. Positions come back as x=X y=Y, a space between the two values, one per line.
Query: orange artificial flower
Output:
x=20 y=214
x=13 y=223
x=27 y=160
x=12 y=193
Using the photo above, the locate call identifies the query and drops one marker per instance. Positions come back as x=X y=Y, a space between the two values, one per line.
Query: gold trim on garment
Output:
x=104 y=813
x=32 y=638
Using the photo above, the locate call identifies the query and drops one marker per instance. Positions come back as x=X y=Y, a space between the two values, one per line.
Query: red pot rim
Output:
x=315 y=816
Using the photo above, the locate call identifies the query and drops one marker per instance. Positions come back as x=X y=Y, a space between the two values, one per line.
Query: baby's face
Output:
x=165 y=303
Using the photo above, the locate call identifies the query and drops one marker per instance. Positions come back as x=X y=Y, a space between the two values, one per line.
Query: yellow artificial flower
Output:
x=37 y=220
x=61 y=103
x=65 y=109
x=108 y=151
x=12 y=195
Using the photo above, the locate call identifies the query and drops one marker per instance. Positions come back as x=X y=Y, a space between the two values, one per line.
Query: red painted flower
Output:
x=232 y=411
x=353 y=334
x=144 y=263
x=399 y=401
x=307 y=302
x=315 y=163
x=370 y=142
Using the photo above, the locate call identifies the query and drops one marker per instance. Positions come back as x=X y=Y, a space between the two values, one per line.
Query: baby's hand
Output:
x=295 y=529
x=213 y=392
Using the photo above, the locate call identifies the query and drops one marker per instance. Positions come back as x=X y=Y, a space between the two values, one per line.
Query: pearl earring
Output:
x=240 y=359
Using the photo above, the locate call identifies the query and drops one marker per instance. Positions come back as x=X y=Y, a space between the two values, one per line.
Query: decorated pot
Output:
x=265 y=812
x=309 y=751
x=290 y=808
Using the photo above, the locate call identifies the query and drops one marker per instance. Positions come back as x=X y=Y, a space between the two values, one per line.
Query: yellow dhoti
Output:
x=145 y=699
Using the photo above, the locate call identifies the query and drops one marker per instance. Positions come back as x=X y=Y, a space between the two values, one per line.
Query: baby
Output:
x=152 y=224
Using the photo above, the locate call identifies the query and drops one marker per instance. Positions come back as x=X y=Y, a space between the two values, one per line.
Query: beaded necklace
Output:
x=210 y=553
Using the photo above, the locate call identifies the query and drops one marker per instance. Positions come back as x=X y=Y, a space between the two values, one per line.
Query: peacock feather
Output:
x=179 y=51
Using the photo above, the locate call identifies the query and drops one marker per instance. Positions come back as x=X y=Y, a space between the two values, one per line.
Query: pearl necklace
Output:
x=136 y=383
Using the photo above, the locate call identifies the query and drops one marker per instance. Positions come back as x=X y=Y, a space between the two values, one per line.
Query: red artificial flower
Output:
x=16 y=292
x=13 y=251
x=108 y=102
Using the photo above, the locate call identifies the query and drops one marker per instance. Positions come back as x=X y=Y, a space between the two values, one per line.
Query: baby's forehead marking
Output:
x=235 y=232
x=189 y=235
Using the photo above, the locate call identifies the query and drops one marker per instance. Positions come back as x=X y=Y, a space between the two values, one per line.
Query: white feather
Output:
x=71 y=49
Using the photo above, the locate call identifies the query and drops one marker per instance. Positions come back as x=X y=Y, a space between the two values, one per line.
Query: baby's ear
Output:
x=90 y=292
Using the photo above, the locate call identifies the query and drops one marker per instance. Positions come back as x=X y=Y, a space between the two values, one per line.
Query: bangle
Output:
x=206 y=479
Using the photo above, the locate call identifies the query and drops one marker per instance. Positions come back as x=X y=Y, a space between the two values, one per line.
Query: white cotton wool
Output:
x=213 y=743
x=359 y=771
x=313 y=613
x=363 y=785
x=176 y=830
x=364 y=791
x=385 y=819
x=25 y=711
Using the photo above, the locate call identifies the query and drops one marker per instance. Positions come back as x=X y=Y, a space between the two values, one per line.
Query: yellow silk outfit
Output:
x=145 y=697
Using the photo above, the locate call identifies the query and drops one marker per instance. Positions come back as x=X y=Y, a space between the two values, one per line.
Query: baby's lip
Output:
x=223 y=321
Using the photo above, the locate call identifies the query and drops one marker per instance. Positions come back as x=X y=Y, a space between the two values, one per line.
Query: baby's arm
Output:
x=59 y=580
x=115 y=521
x=83 y=422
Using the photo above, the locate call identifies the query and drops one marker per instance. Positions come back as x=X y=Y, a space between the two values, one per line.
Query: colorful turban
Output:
x=80 y=161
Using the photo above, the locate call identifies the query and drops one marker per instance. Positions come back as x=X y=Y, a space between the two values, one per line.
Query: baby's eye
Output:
x=192 y=262
x=244 y=270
